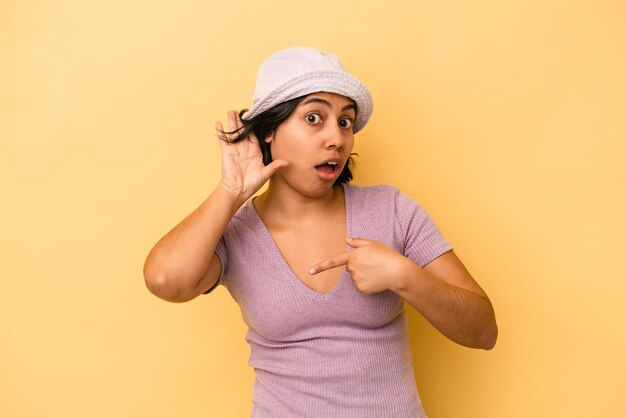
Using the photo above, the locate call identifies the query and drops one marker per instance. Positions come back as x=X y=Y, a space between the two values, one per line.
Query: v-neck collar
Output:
x=293 y=277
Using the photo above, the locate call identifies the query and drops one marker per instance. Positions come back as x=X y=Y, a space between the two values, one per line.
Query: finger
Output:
x=331 y=263
x=359 y=242
x=219 y=130
x=252 y=138
x=232 y=121
x=269 y=170
x=238 y=121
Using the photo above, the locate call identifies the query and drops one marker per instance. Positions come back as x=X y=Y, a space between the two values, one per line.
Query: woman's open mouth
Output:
x=329 y=170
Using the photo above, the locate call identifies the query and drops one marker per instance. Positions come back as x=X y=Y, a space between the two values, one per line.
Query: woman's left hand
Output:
x=443 y=291
x=373 y=266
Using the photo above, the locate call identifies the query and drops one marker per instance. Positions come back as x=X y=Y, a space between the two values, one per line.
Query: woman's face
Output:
x=317 y=140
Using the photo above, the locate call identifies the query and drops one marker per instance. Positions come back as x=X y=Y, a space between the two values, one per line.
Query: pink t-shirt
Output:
x=338 y=354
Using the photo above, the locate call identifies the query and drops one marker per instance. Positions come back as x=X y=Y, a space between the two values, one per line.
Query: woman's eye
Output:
x=345 y=123
x=313 y=118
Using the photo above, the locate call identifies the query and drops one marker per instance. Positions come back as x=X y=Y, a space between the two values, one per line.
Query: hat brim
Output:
x=329 y=81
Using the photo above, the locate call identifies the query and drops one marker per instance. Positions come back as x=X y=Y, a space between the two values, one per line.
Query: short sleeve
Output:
x=423 y=241
x=221 y=252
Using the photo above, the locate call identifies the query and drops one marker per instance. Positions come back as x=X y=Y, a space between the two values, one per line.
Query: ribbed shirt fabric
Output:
x=337 y=354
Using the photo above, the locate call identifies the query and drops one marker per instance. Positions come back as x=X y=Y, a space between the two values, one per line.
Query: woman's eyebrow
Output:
x=316 y=100
x=327 y=103
x=348 y=107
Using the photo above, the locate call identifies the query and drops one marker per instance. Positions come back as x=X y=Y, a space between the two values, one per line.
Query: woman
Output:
x=320 y=268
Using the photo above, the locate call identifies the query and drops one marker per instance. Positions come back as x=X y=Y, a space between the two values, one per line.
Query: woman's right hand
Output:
x=243 y=171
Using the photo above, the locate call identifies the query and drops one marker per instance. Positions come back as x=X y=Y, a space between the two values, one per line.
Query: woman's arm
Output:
x=443 y=291
x=183 y=264
x=447 y=295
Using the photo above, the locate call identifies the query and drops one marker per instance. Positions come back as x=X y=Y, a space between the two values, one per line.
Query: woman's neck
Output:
x=284 y=205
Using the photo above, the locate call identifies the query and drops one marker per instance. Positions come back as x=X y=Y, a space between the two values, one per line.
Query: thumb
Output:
x=269 y=170
x=358 y=242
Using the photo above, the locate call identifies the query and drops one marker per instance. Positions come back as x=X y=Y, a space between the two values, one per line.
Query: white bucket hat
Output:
x=296 y=72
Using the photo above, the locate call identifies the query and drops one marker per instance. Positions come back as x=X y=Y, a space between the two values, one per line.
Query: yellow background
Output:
x=506 y=120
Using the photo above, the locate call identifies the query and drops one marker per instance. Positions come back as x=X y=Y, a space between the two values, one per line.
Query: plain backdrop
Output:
x=505 y=120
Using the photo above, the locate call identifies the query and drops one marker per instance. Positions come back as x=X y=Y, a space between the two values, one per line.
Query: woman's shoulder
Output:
x=380 y=196
x=374 y=195
x=383 y=191
x=245 y=219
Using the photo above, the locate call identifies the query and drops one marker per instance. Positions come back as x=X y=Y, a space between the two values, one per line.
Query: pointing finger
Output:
x=331 y=263
x=359 y=242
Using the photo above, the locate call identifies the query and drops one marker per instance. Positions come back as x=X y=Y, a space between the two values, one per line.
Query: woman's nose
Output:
x=334 y=136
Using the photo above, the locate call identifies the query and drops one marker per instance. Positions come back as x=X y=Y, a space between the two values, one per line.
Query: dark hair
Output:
x=266 y=123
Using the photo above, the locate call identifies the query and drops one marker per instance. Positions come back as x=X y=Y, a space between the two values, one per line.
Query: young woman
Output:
x=320 y=268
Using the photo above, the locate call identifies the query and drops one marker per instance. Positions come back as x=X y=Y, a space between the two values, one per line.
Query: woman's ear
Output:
x=268 y=139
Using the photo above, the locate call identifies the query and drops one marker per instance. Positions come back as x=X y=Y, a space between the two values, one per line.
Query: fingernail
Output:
x=312 y=271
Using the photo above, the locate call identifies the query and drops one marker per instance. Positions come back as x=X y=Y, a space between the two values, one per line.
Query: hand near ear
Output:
x=243 y=171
